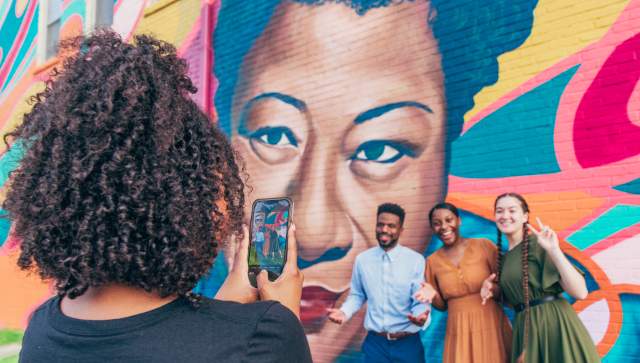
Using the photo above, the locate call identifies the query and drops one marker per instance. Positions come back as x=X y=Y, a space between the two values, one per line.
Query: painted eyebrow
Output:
x=381 y=110
x=299 y=104
x=290 y=100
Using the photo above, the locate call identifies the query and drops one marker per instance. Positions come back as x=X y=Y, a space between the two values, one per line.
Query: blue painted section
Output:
x=5 y=225
x=626 y=347
x=10 y=161
x=9 y=30
x=26 y=45
x=632 y=187
x=530 y=117
x=210 y=283
x=24 y=67
x=5 y=8
x=609 y=223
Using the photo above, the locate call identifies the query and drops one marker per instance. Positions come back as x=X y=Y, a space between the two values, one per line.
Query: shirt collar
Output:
x=393 y=253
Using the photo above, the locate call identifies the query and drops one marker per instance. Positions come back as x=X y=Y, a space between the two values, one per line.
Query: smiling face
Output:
x=446 y=225
x=388 y=230
x=342 y=112
x=510 y=215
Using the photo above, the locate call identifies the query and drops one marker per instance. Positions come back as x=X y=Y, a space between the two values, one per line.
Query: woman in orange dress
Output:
x=477 y=329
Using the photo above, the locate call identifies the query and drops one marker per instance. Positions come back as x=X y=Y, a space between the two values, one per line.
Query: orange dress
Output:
x=475 y=333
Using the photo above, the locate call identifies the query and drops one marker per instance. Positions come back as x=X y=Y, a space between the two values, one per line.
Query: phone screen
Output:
x=269 y=227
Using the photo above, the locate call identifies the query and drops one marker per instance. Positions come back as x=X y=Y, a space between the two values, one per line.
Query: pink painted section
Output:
x=602 y=131
x=614 y=240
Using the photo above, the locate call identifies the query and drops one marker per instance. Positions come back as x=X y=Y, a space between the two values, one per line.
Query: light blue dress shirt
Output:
x=386 y=281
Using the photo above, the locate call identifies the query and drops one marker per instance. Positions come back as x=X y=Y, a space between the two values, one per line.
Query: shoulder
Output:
x=434 y=257
x=278 y=337
x=411 y=254
x=44 y=312
x=232 y=312
x=483 y=243
x=367 y=254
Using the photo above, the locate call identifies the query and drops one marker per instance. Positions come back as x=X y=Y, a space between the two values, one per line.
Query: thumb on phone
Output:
x=262 y=279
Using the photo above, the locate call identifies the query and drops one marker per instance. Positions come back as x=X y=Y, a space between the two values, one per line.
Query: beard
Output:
x=386 y=244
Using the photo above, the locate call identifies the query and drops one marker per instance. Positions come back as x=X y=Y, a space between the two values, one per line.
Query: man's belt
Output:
x=394 y=336
x=519 y=307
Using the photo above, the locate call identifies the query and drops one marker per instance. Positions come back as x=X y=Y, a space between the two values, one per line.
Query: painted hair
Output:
x=444 y=205
x=393 y=209
x=525 y=265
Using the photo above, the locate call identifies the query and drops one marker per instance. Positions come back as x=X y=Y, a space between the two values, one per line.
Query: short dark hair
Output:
x=393 y=209
x=444 y=205
x=124 y=179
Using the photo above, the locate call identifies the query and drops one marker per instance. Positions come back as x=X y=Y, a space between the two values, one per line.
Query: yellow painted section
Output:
x=18 y=112
x=170 y=20
x=560 y=29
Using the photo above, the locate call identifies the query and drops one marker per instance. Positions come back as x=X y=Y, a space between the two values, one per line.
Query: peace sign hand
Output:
x=547 y=237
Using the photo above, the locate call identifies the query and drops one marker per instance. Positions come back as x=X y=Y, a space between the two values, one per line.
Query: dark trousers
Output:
x=378 y=349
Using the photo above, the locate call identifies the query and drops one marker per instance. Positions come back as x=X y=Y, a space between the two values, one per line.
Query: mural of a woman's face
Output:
x=343 y=112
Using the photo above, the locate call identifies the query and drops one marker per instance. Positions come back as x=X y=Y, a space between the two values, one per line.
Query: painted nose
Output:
x=323 y=230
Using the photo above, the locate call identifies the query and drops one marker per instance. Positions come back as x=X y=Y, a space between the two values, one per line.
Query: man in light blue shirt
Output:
x=386 y=278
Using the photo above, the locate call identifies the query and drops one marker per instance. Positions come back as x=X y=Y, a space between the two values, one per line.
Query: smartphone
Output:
x=269 y=228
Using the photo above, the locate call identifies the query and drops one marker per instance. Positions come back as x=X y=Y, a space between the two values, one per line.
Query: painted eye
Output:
x=382 y=151
x=275 y=136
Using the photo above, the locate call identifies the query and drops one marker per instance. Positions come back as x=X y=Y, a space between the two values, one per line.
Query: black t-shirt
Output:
x=216 y=331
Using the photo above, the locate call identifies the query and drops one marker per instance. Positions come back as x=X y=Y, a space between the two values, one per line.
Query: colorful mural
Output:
x=342 y=105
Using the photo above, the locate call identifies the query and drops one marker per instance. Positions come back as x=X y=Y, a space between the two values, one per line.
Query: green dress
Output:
x=556 y=334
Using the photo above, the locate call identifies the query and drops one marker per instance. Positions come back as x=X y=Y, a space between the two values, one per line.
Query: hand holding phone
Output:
x=270 y=221
x=236 y=286
x=287 y=289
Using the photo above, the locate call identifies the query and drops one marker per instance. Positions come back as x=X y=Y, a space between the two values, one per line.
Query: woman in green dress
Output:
x=531 y=277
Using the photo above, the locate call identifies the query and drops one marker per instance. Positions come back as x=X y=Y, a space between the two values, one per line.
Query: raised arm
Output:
x=570 y=279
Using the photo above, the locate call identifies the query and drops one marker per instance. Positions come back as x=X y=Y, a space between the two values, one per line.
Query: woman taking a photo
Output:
x=532 y=275
x=124 y=194
x=455 y=274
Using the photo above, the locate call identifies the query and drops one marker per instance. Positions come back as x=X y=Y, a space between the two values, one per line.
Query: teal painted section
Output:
x=626 y=347
x=27 y=43
x=77 y=7
x=5 y=225
x=5 y=7
x=9 y=30
x=10 y=160
x=530 y=117
x=632 y=187
x=609 y=223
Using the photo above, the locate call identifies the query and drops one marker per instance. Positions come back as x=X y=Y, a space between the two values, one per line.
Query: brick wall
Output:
x=344 y=106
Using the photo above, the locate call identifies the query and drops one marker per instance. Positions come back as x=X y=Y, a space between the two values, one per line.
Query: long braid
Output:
x=525 y=290
x=525 y=269
x=500 y=257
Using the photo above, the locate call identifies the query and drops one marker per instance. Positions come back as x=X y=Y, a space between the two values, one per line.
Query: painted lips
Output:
x=315 y=302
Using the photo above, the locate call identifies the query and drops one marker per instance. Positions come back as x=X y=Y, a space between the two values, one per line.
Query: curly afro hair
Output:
x=124 y=180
